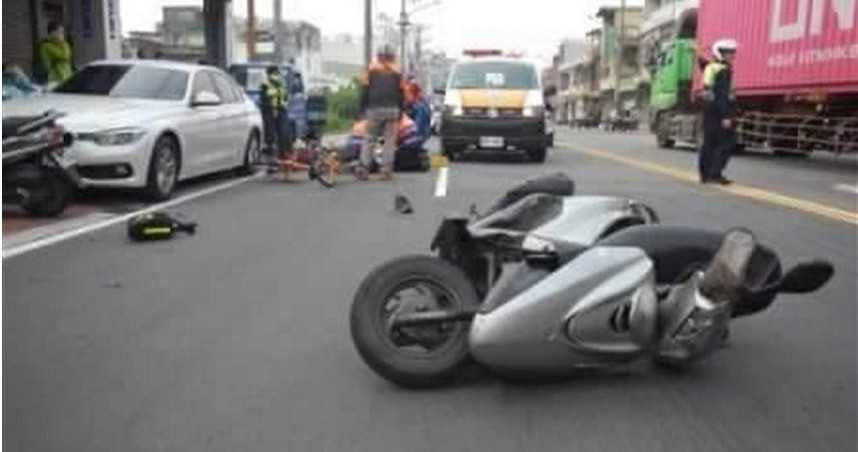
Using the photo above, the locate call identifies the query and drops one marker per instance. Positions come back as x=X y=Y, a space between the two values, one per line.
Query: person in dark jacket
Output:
x=719 y=134
x=274 y=97
x=382 y=99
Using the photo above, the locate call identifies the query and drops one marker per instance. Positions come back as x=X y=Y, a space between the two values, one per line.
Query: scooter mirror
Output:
x=807 y=277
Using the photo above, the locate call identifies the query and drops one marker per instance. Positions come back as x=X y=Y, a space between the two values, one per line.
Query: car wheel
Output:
x=662 y=135
x=252 y=154
x=163 y=169
x=537 y=155
x=451 y=152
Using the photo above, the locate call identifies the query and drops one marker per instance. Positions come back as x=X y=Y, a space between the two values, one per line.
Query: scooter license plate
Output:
x=491 y=142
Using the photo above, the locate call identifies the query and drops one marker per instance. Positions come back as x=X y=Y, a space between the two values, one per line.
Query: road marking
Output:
x=441 y=183
x=61 y=237
x=439 y=161
x=847 y=188
x=743 y=191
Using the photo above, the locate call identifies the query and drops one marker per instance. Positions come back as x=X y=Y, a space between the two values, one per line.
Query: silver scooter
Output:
x=549 y=284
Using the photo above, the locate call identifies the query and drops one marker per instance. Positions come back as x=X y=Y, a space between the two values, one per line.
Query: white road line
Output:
x=441 y=183
x=847 y=188
x=52 y=240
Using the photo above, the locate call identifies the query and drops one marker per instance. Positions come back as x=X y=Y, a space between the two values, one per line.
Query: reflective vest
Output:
x=274 y=91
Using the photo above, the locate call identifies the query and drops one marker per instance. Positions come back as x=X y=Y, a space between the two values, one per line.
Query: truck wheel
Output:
x=662 y=135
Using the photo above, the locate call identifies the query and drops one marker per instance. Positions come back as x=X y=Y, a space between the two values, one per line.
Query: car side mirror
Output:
x=205 y=98
x=807 y=277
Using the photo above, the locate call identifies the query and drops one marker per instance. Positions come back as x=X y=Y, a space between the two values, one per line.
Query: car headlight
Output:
x=114 y=137
x=453 y=110
x=534 y=112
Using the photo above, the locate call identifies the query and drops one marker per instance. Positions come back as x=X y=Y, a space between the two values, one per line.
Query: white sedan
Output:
x=148 y=124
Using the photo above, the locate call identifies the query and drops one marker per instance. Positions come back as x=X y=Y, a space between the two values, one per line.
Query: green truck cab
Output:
x=674 y=113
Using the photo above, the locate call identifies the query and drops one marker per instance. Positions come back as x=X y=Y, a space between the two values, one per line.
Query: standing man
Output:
x=274 y=114
x=55 y=55
x=719 y=134
x=382 y=98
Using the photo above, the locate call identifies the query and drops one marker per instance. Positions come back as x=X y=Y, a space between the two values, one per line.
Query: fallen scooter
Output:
x=36 y=176
x=552 y=284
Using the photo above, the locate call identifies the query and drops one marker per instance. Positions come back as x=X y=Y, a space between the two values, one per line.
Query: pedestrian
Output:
x=274 y=113
x=719 y=134
x=382 y=98
x=55 y=55
x=419 y=111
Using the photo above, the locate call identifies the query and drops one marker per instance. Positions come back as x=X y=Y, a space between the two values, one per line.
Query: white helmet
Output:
x=724 y=45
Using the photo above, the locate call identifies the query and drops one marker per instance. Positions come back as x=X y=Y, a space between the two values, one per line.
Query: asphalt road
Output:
x=237 y=338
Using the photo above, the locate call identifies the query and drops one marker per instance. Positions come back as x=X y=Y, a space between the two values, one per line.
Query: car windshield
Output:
x=126 y=80
x=494 y=75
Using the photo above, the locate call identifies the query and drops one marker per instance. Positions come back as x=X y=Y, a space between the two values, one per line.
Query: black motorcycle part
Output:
x=372 y=334
x=557 y=184
x=454 y=244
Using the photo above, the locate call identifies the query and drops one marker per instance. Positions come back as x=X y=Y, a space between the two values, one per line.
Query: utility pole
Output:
x=251 y=30
x=367 y=32
x=618 y=57
x=403 y=28
x=278 y=32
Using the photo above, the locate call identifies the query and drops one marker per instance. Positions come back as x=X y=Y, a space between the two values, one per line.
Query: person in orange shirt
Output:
x=382 y=101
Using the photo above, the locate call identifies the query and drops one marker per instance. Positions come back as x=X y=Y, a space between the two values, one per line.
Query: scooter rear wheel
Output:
x=413 y=357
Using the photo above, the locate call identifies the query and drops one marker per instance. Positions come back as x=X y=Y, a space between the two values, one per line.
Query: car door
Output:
x=202 y=132
x=234 y=125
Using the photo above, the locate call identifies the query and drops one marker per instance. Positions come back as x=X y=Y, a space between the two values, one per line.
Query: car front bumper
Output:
x=112 y=166
x=517 y=133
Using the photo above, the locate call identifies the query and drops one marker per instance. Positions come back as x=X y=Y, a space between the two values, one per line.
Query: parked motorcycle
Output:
x=547 y=284
x=35 y=174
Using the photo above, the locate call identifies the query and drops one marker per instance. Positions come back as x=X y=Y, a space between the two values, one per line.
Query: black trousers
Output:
x=717 y=148
x=277 y=132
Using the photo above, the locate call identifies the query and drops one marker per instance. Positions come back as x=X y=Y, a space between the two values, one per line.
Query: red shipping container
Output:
x=786 y=47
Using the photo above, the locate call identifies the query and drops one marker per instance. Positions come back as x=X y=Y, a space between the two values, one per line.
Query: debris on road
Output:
x=157 y=226
x=403 y=205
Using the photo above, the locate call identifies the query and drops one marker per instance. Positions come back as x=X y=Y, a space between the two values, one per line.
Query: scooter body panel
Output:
x=562 y=323
x=586 y=219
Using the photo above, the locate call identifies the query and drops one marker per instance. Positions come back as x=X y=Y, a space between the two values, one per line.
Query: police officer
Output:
x=274 y=112
x=719 y=134
x=382 y=99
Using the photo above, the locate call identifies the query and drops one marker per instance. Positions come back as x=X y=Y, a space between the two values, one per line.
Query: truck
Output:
x=795 y=76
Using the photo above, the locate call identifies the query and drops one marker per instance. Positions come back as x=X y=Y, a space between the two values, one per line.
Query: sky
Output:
x=533 y=26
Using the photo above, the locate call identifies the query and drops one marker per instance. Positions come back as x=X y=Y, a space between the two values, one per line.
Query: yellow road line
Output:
x=439 y=161
x=743 y=191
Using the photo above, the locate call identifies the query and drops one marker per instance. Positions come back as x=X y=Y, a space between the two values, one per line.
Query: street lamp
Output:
x=404 y=23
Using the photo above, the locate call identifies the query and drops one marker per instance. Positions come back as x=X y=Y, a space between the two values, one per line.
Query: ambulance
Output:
x=494 y=102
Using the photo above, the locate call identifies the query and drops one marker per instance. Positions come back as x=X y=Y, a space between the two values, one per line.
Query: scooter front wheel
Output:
x=412 y=356
x=51 y=198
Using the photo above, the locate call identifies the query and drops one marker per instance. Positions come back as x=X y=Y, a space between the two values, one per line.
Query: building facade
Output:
x=93 y=28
